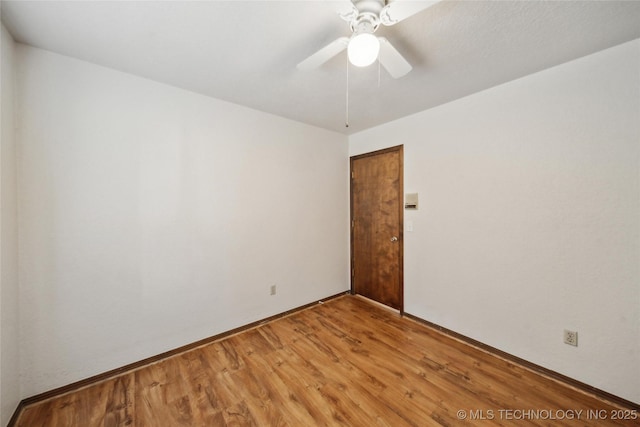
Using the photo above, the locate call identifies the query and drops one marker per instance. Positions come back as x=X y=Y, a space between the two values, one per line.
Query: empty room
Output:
x=295 y=213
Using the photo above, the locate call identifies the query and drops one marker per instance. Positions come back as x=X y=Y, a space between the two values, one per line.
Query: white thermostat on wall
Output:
x=411 y=201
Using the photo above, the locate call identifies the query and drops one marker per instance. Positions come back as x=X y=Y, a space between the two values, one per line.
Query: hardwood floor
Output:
x=344 y=362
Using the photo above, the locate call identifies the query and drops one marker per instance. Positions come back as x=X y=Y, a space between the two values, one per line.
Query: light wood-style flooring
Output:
x=344 y=362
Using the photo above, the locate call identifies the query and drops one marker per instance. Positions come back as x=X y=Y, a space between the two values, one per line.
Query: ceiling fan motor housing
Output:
x=368 y=18
x=365 y=23
x=370 y=6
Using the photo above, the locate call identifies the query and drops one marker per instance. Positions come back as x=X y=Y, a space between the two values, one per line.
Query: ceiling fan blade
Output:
x=391 y=59
x=324 y=54
x=402 y=9
x=347 y=10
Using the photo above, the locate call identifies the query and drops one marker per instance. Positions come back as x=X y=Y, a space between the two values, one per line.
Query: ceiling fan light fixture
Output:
x=363 y=49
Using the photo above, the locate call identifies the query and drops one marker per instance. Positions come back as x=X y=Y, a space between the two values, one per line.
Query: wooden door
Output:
x=376 y=226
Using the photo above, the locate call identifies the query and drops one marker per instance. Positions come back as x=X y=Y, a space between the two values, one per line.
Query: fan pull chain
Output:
x=346 y=120
x=378 y=71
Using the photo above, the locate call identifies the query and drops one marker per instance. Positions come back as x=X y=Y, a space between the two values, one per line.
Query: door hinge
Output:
x=353 y=223
x=353 y=175
x=353 y=272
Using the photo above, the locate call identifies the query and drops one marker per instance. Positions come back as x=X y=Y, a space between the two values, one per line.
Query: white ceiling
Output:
x=246 y=51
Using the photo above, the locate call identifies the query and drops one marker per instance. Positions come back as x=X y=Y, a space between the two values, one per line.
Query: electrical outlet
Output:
x=273 y=290
x=571 y=338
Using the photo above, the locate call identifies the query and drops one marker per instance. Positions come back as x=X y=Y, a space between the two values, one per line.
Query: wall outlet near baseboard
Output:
x=273 y=290
x=571 y=337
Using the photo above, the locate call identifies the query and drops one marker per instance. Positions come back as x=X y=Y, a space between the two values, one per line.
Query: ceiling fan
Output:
x=363 y=47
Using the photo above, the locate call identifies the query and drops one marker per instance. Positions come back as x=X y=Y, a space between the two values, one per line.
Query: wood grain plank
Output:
x=346 y=362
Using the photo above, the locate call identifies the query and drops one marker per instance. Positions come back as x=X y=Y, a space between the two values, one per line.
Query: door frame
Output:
x=400 y=150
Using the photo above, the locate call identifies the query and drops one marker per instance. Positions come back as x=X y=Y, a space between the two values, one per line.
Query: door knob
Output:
x=394 y=239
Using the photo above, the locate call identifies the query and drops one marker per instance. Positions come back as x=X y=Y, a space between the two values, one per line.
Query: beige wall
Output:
x=151 y=217
x=9 y=335
x=529 y=219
